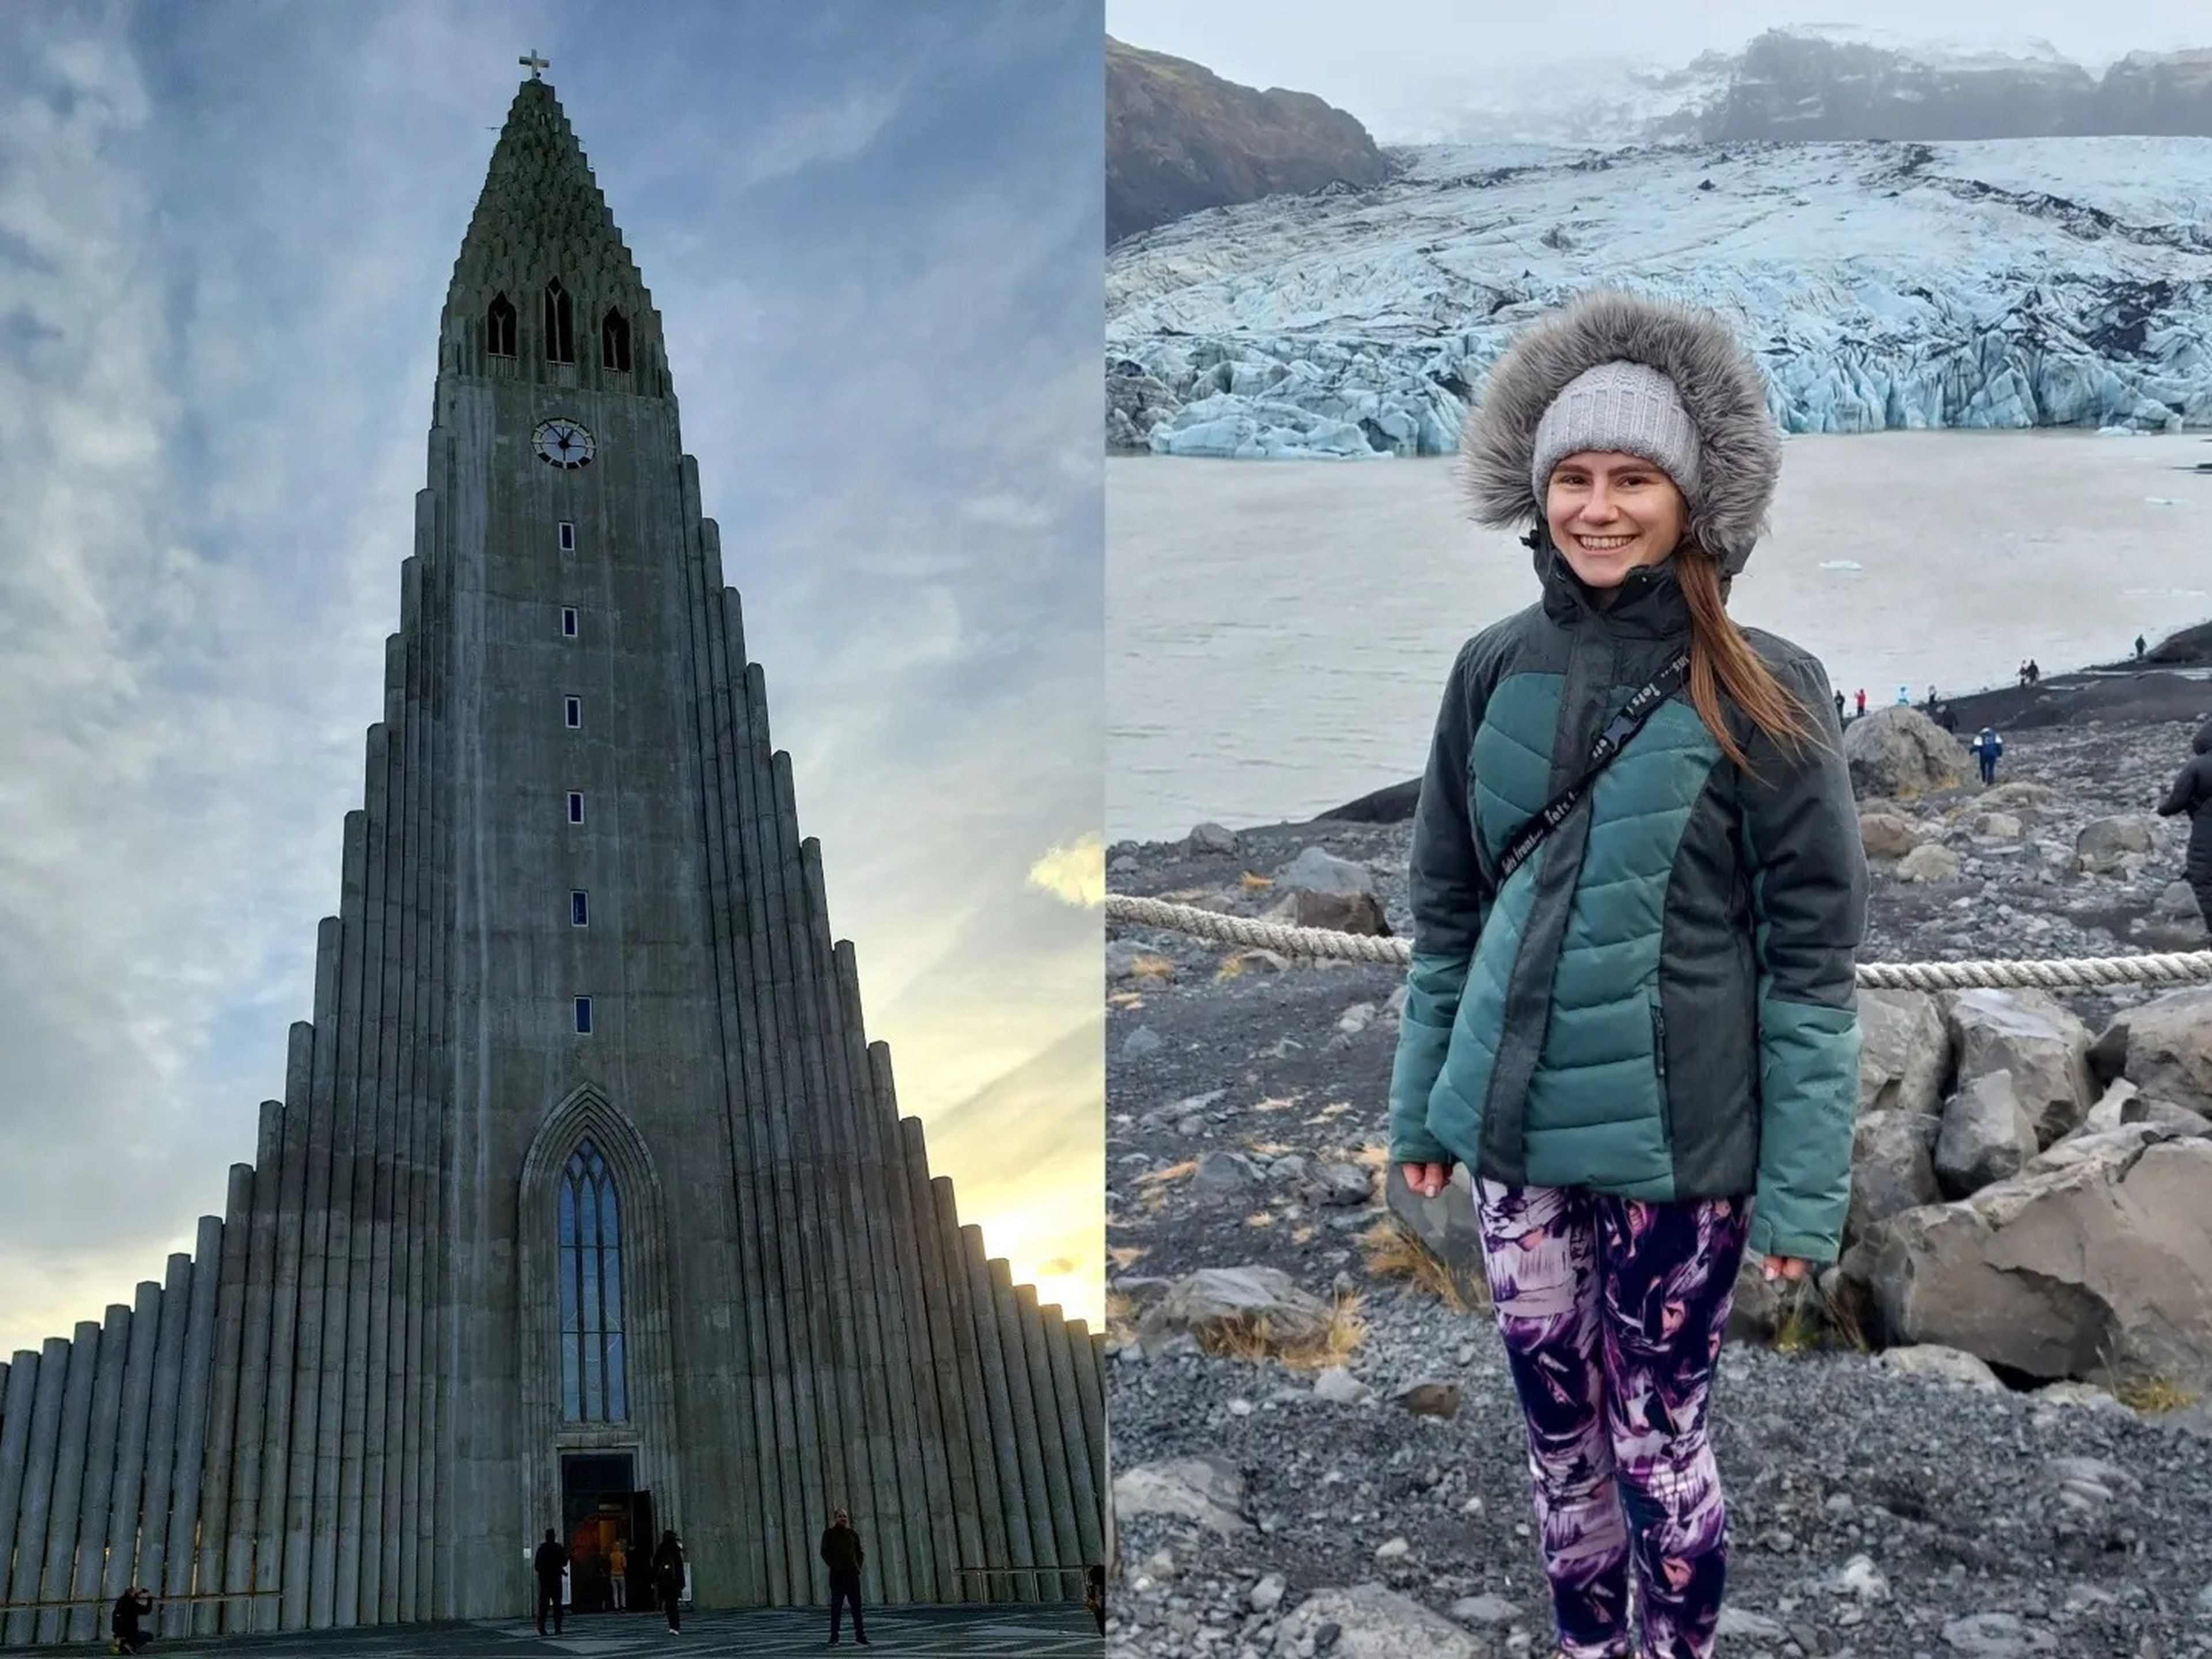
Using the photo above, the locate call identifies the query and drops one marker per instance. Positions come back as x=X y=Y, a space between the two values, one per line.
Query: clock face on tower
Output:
x=562 y=443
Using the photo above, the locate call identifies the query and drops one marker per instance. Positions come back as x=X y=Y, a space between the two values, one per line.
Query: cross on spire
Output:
x=533 y=62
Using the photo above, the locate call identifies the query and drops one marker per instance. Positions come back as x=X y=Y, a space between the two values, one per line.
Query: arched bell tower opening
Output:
x=598 y=1367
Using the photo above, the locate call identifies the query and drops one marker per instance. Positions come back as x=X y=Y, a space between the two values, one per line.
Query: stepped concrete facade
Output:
x=588 y=1205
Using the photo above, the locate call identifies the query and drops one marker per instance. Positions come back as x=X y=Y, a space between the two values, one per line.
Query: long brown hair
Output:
x=1722 y=663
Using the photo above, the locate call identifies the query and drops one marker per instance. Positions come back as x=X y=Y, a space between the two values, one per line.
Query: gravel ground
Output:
x=1874 y=1513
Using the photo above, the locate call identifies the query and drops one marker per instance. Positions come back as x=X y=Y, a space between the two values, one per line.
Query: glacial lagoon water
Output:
x=1278 y=632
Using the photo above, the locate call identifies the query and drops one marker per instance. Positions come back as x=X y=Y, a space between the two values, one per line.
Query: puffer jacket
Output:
x=1661 y=1003
x=2192 y=793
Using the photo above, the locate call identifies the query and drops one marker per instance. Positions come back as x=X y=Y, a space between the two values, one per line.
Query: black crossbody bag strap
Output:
x=1610 y=742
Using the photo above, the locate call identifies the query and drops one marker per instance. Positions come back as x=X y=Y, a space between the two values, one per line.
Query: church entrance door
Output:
x=602 y=1524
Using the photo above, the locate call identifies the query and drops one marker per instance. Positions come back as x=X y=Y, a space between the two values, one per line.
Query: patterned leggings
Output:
x=1613 y=1312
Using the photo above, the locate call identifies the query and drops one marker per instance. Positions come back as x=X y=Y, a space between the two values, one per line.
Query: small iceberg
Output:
x=1841 y=564
x=2161 y=500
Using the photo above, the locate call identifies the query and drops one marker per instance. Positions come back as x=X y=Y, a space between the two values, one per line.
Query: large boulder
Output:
x=1987 y=1136
x=2038 y=1042
x=1372 y=1621
x=1320 y=889
x=1248 y=1299
x=1904 y=1052
x=2093 y=1262
x=1929 y=861
x=1901 y=753
x=2165 y=1048
x=1893 y=1168
x=2117 y=845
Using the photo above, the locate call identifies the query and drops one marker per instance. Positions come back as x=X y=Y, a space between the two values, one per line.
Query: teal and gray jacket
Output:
x=1660 y=1002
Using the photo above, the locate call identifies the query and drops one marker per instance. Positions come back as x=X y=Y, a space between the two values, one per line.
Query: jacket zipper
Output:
x=1659 y=1064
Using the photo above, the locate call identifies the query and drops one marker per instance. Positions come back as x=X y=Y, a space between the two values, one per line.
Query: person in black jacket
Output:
x=668 y=1577
x=551 y=1561
x=136 y=1603
x=2192 y=793
x=843 y=1554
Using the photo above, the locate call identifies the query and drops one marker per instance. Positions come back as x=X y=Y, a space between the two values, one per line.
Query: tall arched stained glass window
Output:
x=594 y=1379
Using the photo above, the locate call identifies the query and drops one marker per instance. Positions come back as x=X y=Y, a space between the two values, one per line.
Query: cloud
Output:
x=1076 y=873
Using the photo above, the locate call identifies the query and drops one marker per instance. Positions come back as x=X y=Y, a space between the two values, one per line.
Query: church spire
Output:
x=544 y=278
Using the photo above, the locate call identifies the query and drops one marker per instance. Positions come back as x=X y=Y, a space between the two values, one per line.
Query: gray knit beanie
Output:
x=1624 y=406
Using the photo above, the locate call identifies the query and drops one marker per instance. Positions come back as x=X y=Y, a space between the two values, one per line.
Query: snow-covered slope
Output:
x=2010 y=283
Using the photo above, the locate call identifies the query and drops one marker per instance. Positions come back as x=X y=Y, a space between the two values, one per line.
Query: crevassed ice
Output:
x=1999 y=284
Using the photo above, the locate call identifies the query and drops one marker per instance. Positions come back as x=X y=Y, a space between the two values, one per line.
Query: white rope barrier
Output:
x=2060 y=974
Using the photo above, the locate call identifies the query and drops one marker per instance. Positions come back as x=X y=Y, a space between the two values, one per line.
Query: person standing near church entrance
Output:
x=552 y=1561
x=843 y=1554
x=668 y=1579
x=618 y=1575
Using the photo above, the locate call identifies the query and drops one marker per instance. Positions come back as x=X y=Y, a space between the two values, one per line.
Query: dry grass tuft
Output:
x=1174 y=1172
x=1261 y=1218
x=1124 y=1256
x=1126 y=999
x=1336 y=1110
x=1231 y=968
x=1393 y=1253
x=1119 y=1308
x=2152 y=1396
x=1152 y=968
x=1252 y=883
x=1310 y=1350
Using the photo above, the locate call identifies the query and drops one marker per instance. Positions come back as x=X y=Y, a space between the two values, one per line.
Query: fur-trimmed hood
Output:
x=1739 y=450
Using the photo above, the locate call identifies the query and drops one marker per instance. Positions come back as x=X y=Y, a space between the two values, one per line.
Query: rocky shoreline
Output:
x=1918 y=1502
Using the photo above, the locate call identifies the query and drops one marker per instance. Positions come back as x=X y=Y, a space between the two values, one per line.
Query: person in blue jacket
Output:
x=1642 y=1037
x=1985 y=748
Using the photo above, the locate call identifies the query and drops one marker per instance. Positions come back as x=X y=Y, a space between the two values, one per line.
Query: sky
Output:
x=1388 y=67
x=225 y=231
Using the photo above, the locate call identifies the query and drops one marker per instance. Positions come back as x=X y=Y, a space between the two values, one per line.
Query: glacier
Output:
x=2001 y=283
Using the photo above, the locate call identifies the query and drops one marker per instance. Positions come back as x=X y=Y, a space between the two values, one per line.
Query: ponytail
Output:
x=1723 y=664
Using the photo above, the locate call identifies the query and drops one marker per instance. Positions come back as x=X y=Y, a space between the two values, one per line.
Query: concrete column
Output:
x=943 y=1223
x=786 y=1555
x=84 y=1623
x=1088 y=1360
x=213 y=1532
x=249 y=1416
x=999 y=1394
x=338 y=1355
x=830 y=1280
x=129 y=1447
x=1052 y=1447
x=34 y=1508
x=435 y=1359
x=1030 y=1422
x=161 y=1422
x=265 y=1612
x=180 y=1558
x=942 y=1431
x=804 y=1497
x=1083 y=1489
x=366 y=1300
x=886 y=1225
x=16 y=1446
x=315 y=1247
x=59 y=1544
x=403 y=1420
x=760 y=1573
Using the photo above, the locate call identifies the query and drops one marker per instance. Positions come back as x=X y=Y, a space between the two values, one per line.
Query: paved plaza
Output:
x=1032 y=1633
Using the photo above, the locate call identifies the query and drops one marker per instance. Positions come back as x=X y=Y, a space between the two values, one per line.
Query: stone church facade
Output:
x=588 y=1204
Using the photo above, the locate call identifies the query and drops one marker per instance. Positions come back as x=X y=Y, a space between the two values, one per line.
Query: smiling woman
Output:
x=615 y=1225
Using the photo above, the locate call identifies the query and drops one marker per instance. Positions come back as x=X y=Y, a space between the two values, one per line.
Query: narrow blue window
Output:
x=594 y=1383
x=578 y=915
x=573 y=709
x=575 y=806
x=567 y=622
x=568 y=536
x=583 y=1016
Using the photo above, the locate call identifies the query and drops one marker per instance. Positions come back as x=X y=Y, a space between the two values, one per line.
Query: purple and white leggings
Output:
x=1612 y=1311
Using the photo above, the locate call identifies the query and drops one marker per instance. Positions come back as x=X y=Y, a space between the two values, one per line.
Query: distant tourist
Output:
x=618 y=1575
x=1839 y=709
x=668 y=1579
x=1862 y=700
x=1985 y=748
x=2140 y=648
x=1634 y=437
x=1931 y=700
x=1094 y=1579
x=1948 y=718
x=550 y=1562
x=127 y=1635
x=2192 y=793
x=2034 y=674
x=843 y=1554
x=1904 y=697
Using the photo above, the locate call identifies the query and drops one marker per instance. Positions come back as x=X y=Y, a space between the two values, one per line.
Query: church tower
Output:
x=588 y=1205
